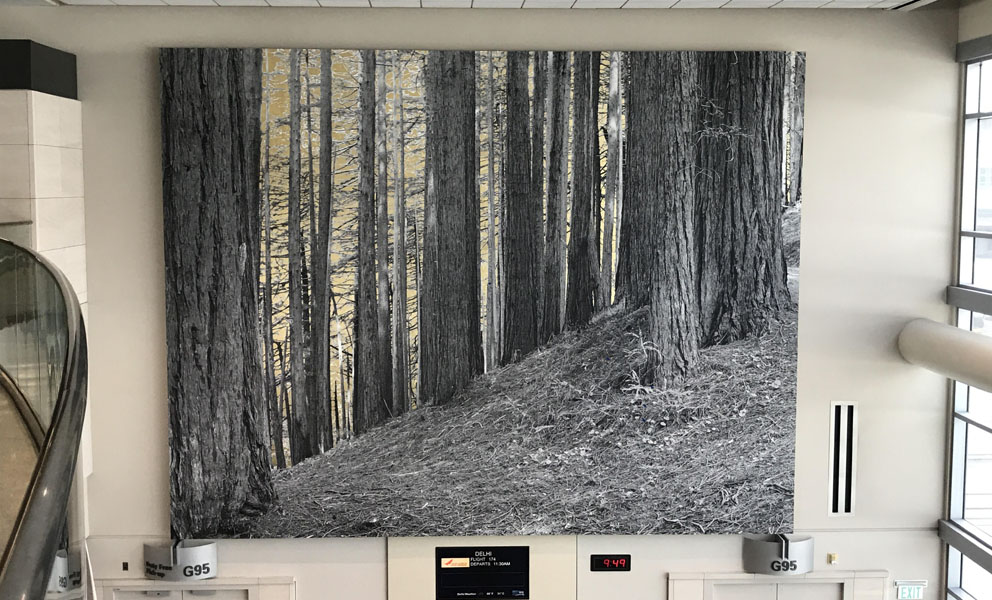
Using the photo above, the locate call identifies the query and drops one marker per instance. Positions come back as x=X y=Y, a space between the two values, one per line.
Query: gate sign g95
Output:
x=778 y=554
x=182 y=561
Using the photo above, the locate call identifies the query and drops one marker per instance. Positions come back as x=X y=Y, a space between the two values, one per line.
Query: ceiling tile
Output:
x=242 y=2
x=649 y=3
x=395 y=3
x=497 y=3
x=191 y=2
x=849 y=4
x=750 y=4
x=345 y=3
x=293 y=3
x=88 y=2
x=548 y=3
x=598 y=3
x=699 y=3
x=446 y=3
x=800 y=4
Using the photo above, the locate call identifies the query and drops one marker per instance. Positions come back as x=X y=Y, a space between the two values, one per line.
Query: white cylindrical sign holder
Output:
x=58 y=581
x=181 y=561
x=778 y=554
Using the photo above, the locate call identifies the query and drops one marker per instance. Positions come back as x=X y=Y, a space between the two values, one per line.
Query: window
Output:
x=970 y=581
x=975 y=578
x=967 y=531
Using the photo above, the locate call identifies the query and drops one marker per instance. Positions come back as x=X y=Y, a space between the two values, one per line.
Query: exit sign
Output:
x=910 y=590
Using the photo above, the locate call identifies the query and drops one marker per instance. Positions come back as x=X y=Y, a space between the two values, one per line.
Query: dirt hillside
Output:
x=568 y=441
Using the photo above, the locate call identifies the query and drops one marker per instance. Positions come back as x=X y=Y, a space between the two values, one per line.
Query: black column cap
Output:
x=27 y=65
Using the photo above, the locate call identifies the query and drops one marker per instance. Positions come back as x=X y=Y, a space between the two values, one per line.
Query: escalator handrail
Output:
x=27 y=560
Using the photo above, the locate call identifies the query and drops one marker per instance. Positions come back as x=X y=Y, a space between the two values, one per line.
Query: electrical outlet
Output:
x=124 y=566
x=832 y=558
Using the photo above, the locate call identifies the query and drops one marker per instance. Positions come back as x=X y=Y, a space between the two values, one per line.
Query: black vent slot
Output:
x=843 y=457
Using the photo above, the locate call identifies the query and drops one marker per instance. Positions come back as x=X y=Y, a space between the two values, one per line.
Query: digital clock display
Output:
x=609 y=562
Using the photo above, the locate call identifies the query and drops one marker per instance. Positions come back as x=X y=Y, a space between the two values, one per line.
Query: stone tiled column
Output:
x=41 y=179
x=16 y=207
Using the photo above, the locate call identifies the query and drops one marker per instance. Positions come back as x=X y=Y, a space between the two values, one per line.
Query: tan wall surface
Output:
x=877 y=240
x=975 y=19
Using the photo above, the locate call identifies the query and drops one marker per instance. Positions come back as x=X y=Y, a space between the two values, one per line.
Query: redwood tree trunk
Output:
x=211 y=99
x=492 y=253
x=797 y=80
x=741 y=274
x=538 y=108
x=283 y=394
x=274 y=413
x=450 y=338
x=417 y=275
x=316 y=401
x=660 y=126
x=321 y=318
x=401 y=333
x=633 y=256
x=371 y=397
x=612 y=179
x=557 y=205
x=382 y=234
x=596 y=165
x=522 y=211
x=301 y=444
x=473 y=215
x=580 y=294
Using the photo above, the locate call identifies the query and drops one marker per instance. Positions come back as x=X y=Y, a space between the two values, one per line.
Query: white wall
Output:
x=877 y=241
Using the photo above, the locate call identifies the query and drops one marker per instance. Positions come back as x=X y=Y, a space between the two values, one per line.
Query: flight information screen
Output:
x=463 y=572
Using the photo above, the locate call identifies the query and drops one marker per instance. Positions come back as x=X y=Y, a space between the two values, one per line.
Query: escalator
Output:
x=42 y=403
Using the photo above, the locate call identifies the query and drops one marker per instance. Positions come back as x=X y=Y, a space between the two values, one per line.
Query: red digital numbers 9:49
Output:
x=609 y=562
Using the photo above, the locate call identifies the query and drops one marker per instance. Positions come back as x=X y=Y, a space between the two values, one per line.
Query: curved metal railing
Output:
x=49 y=371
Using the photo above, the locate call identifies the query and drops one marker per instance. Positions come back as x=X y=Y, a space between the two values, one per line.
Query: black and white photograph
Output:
x=423 y=293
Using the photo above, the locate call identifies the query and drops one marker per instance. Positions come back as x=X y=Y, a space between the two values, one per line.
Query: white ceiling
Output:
x=600 y=4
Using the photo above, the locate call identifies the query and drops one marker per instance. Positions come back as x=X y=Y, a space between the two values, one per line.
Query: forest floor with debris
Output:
x=567 y=441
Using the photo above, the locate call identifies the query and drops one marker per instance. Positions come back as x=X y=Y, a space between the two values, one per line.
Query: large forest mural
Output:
x=452 y=292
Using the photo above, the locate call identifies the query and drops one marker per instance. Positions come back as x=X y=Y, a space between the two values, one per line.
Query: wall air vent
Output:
x=843 y=456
